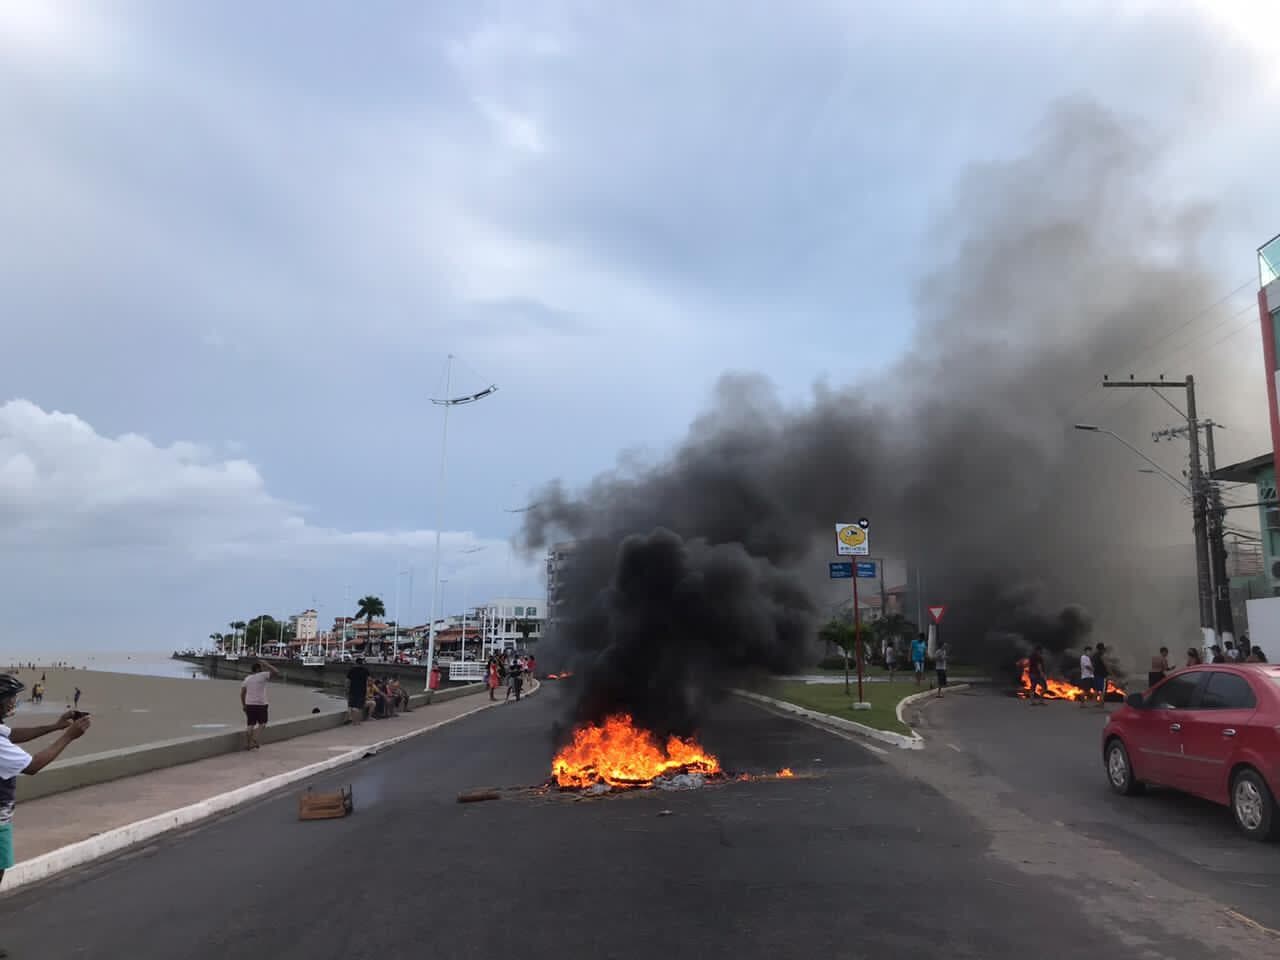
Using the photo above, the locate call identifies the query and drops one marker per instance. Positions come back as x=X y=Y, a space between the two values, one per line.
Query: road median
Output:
x=824 y=707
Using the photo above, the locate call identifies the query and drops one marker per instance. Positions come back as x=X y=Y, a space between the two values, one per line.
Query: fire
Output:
x=618 y=753
x=1059 y=689
x=560 y=676
x=785 y=772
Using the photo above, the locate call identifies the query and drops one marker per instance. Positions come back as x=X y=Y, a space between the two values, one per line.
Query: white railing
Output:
x=469 y=670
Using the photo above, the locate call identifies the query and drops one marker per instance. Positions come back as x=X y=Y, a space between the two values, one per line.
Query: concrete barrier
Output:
x=130 y=761
x=412 y=676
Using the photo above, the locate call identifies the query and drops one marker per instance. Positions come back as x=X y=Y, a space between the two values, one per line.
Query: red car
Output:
x=1212 y=731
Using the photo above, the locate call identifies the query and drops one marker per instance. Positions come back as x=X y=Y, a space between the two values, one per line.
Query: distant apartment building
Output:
x=306 y=626
x=558 y=558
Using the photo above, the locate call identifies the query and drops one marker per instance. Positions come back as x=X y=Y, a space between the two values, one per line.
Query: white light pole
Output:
x=444 y=607
x=446 y=402
x=395 y=633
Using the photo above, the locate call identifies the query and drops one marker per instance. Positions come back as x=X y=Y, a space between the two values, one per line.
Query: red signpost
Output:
x=857 y=632
x=853 y=540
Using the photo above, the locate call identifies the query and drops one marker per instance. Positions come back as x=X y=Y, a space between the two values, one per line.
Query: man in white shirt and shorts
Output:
x=14 y=760
x=253 y=698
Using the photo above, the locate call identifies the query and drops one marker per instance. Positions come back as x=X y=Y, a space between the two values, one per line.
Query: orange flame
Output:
x=1058 y=689
x=785 y=772
x=620 y=754
x=560 y=676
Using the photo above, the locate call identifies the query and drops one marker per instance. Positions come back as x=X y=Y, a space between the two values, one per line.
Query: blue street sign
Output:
x=841 y=570
x=867 y=569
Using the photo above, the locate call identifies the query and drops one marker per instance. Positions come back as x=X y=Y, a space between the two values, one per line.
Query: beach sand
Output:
x=129 y=710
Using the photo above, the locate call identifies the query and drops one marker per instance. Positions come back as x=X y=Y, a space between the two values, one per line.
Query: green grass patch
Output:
x=831 y=698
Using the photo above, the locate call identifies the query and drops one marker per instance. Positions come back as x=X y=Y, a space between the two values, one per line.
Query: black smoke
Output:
x=1045 y=273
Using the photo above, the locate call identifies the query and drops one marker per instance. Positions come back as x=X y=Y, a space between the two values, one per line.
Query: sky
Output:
x=241 y=241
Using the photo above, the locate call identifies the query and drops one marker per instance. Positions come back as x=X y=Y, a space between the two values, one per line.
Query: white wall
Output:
x=1264 y=626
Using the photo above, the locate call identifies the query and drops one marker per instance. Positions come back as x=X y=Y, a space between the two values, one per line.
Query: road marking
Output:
x=955 y=748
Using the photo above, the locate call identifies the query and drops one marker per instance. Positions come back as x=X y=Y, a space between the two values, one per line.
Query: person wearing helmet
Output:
x=14 y=760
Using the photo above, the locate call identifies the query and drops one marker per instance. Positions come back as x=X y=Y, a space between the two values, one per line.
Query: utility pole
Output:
x=1199 y=499
x=1216 y=513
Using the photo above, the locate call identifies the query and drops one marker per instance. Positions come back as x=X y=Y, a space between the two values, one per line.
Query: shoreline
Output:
x=131 y=709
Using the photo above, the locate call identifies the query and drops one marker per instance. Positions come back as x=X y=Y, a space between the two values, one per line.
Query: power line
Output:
x=1249 y=281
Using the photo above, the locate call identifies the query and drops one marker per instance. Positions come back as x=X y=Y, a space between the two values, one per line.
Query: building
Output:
x=305 y=626
x=503 y=622
x=1255 y=569
x=557 y=559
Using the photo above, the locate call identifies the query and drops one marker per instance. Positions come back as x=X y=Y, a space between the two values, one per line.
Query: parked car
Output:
x=1212 y=731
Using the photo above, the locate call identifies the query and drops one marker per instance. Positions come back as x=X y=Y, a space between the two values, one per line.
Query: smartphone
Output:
x=78 y=714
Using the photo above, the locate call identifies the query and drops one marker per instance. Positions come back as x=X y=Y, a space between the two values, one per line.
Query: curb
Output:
x=901 y=740
x=923 y=695
x=78 y=854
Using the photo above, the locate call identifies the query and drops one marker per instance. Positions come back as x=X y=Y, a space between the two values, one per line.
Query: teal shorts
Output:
x=6 y=846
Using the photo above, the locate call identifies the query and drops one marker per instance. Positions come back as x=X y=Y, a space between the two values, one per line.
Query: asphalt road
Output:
x=1050 y=759
x=861 y=859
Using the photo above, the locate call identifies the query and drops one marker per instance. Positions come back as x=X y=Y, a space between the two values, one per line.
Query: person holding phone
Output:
x=14 y=760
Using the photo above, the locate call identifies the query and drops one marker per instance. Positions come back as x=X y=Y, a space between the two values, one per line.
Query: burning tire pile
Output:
x=617 y=755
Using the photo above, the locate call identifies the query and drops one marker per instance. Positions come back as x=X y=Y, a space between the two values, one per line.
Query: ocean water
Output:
x=145 y=663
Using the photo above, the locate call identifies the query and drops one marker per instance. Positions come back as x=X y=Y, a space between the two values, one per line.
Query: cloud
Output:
x=107 y=508
x=64 y=486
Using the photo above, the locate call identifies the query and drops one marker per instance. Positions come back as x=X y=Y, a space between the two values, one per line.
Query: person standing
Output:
x=890 y=659
x=1036 y=675
x=357 y=690
x=76 y=702
x=1159 y=667
x=1100 y=673
x=14 y=760
x=1216 y=652
x=253 y=700
x=940 y=654
x=919 y=647
x=1194 y=658
x=493 y=677
x=1087 y=683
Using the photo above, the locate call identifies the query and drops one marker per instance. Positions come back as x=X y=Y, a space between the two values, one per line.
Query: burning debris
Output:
x=620 y=754
x=560 y=676
x=1059 y=689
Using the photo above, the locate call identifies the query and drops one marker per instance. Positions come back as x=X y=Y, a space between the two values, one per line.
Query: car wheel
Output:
x=1120 y=770
x=1253 y=806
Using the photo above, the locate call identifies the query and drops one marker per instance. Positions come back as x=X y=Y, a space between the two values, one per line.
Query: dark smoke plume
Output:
x=1048 y=271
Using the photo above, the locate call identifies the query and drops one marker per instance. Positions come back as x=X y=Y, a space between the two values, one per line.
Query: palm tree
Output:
x=237 y=626
x=217 y=640
x=369 y=608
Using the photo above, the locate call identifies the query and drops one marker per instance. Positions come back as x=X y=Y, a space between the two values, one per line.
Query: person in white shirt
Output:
x=253 y=698
x=14 y=760
x=1087 y=682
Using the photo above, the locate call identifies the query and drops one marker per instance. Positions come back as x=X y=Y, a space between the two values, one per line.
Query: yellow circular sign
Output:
x=852 y=535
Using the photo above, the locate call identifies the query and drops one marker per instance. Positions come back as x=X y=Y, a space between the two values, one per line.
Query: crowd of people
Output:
x=374 y=698
x=1226 y=652
x=509 y=668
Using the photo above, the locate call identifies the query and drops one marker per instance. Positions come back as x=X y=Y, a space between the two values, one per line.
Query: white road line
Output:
x=955 y=748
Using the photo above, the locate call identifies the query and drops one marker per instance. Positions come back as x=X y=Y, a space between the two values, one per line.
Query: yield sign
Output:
x=937 y=612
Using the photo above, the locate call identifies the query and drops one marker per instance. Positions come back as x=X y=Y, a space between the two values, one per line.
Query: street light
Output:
x=447 y=402
x=1094 y=428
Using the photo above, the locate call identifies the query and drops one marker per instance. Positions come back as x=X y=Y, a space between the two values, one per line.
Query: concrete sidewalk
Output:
x=53 y=822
